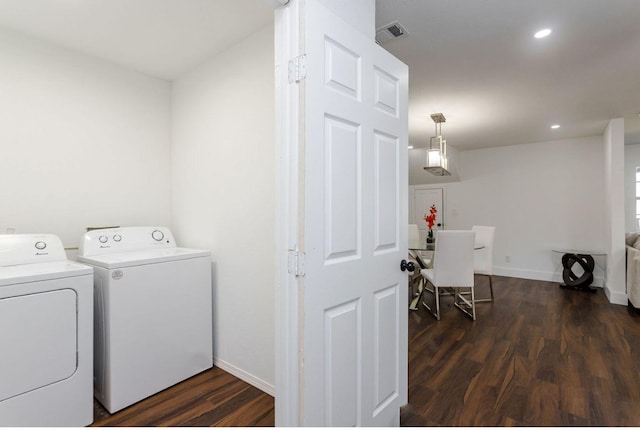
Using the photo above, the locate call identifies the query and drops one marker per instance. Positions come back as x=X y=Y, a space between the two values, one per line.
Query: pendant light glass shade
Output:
x=437 y=162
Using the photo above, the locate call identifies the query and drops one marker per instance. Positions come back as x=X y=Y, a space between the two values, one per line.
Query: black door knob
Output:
x=404 y=266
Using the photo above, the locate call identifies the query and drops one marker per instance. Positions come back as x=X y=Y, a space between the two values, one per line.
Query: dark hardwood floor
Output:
x=211 y=398
x=537 y=356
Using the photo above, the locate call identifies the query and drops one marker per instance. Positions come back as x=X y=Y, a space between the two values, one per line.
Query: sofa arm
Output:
x=633 y=278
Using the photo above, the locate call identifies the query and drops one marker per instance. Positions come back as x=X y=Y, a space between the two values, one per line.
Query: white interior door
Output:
x=422 y=201
x=354 y=333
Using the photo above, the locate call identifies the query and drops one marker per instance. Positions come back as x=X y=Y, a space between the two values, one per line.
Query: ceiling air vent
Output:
x=391 y=31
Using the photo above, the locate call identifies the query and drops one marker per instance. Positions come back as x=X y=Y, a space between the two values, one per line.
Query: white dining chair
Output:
x=413 y=236
x=452 y=269
x=483 y=258
x=416 y=281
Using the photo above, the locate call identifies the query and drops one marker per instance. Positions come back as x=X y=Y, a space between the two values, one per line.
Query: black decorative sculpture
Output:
x=571 y=280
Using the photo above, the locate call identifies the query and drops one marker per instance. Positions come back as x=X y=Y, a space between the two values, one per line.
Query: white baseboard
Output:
x=247 y=377
x=538 y=275
x=616 y=297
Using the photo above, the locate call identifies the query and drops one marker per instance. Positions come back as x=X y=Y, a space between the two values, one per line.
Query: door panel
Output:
x=354 y=332
x=342 y=356
x=386 y=346
x=342 y=69
x=342 y=189
x=386 y=194
x=387 y=93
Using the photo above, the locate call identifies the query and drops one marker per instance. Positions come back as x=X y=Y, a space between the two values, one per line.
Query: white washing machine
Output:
x=153 y=318
x=46 y=334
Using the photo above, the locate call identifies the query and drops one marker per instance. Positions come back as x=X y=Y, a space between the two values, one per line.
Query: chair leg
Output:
x=436 y=296
x=490 y=299
x=463 y=304
x=473 y=303
x=414 y=304
x=491 y=287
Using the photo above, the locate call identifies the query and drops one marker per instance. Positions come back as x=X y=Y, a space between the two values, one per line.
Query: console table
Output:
x=586 y=261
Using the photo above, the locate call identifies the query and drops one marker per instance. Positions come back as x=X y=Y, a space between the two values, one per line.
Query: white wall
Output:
x=614 y=206
x=360 y=14
x=631 y=162
x=83 y=142
x=539 y=196
x=223 y=188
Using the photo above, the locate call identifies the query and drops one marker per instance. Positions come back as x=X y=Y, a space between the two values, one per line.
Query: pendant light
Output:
x=437 y=162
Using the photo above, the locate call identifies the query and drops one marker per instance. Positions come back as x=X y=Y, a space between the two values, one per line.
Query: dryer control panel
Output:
x=124 y=239
x=22 y=249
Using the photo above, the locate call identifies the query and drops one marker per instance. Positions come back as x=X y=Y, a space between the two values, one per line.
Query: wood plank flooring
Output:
x=537 y=356
x=211 y=398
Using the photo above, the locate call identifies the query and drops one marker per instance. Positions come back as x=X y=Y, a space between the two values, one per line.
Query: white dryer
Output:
x=46 y=331
x=153 y=318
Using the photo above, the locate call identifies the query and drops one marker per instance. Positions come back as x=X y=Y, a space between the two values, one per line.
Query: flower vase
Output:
x=430 y=238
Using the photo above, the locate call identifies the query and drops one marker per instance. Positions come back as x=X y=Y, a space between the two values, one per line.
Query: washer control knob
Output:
x=41 y=245
x=117 y=238
x=103 y=239
x=157 y=235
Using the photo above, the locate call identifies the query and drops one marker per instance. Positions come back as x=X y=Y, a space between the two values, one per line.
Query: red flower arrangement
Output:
x=431 y=219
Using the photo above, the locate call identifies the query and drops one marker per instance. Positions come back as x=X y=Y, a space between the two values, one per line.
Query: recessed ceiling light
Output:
x=410 y=147
x=555 y=126
x=542 y=33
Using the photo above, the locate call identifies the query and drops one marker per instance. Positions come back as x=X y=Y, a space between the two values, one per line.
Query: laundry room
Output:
x=106 y=120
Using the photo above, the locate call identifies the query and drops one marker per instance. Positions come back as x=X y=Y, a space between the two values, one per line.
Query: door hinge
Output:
x=297 y=68
x=296 y=263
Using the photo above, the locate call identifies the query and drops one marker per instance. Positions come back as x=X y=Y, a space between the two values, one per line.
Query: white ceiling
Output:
x=162 y=38
x=478 y=63
x=473 y=60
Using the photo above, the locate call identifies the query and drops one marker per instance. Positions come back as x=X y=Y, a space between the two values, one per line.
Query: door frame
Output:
x=289 y=213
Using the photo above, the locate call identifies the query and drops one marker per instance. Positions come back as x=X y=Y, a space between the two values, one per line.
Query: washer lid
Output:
x=41 y=271
x=145 y=257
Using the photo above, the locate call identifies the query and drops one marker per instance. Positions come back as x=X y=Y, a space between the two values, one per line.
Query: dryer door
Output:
x=38 y=340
